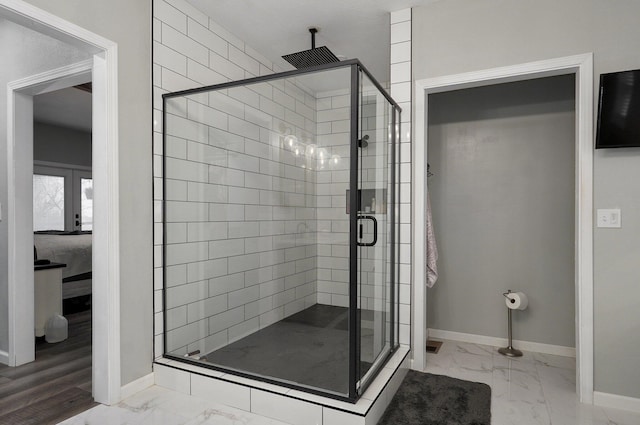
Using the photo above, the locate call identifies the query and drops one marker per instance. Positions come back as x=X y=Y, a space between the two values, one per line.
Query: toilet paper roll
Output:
x=516 y=300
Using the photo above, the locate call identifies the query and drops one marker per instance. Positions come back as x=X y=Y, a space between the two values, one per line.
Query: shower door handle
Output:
x=375 y=230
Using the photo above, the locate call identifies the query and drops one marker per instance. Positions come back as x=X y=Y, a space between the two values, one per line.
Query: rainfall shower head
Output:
x=312 y=57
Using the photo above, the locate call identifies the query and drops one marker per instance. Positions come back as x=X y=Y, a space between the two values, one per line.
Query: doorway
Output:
x=501 y=193
x=102 y=69
x=582 y=67
x=63 y=218
x=63 y=189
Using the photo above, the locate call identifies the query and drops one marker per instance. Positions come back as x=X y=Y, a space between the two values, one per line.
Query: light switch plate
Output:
x=609 y=218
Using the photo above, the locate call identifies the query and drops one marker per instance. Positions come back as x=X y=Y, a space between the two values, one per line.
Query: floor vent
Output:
x=433 y=346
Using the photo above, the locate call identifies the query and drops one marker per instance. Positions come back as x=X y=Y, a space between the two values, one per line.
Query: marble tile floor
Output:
x=535 y=389
x=160 y=406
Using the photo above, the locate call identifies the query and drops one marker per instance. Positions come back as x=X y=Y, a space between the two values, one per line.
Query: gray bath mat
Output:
x=426 y=399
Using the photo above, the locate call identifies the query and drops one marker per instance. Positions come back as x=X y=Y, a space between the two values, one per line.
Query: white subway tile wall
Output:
x=252 y=236
x=226 y=142
x=230 y=269
x=332 y=185
x=401 y=92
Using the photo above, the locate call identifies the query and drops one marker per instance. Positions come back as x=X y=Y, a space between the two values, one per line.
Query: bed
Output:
x=72 y=249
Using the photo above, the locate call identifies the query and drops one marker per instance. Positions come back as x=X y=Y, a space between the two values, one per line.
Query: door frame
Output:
x=582 y=67
x=102 y=68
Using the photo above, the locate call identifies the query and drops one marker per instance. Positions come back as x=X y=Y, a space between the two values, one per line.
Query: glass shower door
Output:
x=374 y=230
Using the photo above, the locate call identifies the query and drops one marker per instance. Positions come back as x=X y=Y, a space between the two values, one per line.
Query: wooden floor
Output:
x=54 y=387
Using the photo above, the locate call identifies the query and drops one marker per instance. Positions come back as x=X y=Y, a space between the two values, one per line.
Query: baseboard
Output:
x=616 y=401
x=537 y=347
x=136 y=386
x=4 y=357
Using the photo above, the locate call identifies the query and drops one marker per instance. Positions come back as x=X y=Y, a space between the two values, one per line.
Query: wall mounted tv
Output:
x=619 y=110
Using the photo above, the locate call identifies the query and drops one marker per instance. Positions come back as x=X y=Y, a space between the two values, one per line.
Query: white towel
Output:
x=432 y=249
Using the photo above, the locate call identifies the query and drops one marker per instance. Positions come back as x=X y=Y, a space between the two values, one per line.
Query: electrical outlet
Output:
x=609 y=218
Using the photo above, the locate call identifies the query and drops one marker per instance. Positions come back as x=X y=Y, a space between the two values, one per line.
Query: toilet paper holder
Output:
x=506 y=295
x=509 y=351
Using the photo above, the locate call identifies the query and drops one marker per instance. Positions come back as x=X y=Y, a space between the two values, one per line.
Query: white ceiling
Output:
x=349 y=28
x=69 y=107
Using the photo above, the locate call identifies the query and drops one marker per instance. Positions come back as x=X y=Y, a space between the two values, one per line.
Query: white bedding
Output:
x=72 y=250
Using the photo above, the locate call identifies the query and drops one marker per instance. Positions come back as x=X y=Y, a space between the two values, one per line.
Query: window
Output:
x=48 y=202
x=62 y=199
x=86 y=203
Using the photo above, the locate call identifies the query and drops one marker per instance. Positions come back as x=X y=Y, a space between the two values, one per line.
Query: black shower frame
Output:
x=354 y=328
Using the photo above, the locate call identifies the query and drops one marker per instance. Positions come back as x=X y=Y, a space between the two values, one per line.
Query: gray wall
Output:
x=64 y=145
x=465 y=35
x=502 y=199
x=128 y=23
x=23 y=53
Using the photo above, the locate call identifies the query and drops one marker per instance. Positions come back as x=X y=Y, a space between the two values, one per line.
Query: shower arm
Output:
x=313 y=32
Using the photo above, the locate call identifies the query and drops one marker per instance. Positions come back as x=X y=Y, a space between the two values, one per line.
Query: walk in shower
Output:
x=280 y=255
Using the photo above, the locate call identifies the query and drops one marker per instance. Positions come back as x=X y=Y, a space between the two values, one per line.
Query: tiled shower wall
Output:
x=376 y=179
x=333 y=236
x=240 y=212
x=401 y=93
x=333 y=221
x=241 y=250
x=191 y=50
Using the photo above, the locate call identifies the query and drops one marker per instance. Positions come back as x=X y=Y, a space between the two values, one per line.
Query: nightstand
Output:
x=48 y=293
